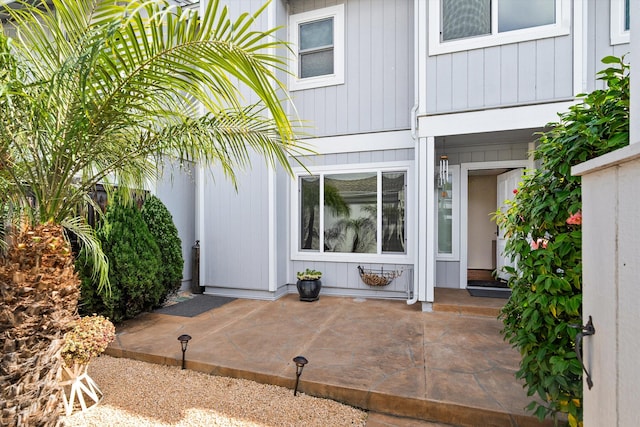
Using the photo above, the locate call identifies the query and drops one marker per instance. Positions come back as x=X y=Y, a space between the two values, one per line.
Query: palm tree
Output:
x=96 y=91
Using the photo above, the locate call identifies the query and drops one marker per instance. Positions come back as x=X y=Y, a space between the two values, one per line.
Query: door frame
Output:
x=464 y=203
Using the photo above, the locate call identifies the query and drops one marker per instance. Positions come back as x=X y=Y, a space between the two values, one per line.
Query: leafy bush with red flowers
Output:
x=543 y=226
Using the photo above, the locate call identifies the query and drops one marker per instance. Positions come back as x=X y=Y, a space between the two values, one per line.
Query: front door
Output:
x=507 y=182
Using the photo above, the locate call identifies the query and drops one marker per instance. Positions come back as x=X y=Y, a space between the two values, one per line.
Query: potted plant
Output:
x=309 y=284
x=88 y=337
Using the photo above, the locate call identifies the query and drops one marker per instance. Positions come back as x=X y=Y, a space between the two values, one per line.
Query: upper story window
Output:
x=457 y=25
x=317 y=39
x=351 y=214
x=619 y=21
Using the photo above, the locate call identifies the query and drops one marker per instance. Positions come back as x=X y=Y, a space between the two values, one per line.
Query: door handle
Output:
x=585 y=331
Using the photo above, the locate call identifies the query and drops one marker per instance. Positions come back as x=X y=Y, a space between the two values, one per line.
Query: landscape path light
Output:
x=184 y=341
x=300 y=361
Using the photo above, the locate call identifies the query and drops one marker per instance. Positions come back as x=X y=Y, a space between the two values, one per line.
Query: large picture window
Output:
x=359 y=212
x=457 y=25
x=317 y=41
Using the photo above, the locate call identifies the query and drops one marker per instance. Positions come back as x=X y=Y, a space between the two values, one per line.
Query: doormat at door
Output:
x=490 y=293
x=488 y=283
x=194 y=306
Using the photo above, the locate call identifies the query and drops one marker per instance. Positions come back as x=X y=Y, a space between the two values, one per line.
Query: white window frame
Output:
x=618 y=34
x=436 y=47
x=454 y=171
x=335 y=12
x=379 y=257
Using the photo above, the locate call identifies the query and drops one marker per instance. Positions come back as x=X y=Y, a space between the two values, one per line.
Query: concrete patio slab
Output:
x=450 y=367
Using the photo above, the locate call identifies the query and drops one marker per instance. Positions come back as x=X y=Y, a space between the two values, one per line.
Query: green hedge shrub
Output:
x=543 y=226
x=162 y=228
x=134 y=266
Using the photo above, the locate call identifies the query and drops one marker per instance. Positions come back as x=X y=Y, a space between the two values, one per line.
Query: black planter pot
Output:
x=309 y=289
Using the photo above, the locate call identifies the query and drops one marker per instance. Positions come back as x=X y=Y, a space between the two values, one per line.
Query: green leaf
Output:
x=546 y=283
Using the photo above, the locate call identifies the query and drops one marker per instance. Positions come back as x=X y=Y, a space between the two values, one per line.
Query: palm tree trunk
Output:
x=39 y=290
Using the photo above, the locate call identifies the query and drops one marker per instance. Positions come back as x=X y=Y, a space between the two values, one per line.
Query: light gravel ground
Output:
x=142 y=395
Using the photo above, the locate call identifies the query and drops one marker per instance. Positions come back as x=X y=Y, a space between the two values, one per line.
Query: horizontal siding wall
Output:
x=514 y=74
x=378 y=91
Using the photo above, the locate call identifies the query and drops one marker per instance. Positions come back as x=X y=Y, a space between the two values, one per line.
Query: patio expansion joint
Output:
x=491 y=396
x=236 y=318
x=321 y=328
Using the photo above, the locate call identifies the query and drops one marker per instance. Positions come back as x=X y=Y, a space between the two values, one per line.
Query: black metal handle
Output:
x=585 y=331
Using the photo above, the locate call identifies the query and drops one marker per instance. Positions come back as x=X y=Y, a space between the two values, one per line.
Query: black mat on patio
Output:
x=490 y=293
x=488 y=283
x=194 y=306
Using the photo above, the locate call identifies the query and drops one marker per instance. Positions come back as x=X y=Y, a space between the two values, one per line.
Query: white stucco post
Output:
x=611 y=288
x=634 y=58
x=611 y=271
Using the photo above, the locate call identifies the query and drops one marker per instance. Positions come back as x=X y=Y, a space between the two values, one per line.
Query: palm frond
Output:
x=94 y=91
x=89 y=241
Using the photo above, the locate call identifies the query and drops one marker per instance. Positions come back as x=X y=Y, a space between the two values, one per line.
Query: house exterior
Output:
x=386 y=88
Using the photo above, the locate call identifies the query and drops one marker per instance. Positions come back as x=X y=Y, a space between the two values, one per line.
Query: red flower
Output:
x=575 y=219
x=515 y=191
x=535 y=244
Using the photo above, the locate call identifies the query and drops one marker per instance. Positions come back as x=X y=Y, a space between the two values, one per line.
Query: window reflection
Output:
x=353 y=214
x=309 y=212
x=445 y=217
x=393 y=209
x=350 y=213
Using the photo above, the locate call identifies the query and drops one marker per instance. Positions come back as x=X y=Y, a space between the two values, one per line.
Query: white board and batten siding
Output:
x=361 y=157
x=378 y=91
x=599 y=42
x=176 y=189
x=487 y=152
x=235 y=238
x=515 y=74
